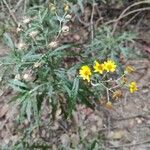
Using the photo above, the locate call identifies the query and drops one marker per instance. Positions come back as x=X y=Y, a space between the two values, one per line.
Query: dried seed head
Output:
x=28 y=77
x=52 y=7
x=53 y=44
x=37 y=64
x=66 y=7
x=65 y=29
x=19 y=29
x=17 y=77
x=33 y=34
x=68 y=16
x=21 y=45
x=26 y=20
x=117 y=94
x=109 y=105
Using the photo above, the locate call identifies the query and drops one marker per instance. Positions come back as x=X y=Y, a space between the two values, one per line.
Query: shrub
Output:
x=38 y=72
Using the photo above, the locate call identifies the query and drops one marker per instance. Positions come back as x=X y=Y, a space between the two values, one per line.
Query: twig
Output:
x=131 y=12
x=136 y=10
x=25 y=7
x=2 y=5
x=130 y=145
x=127 y=14
x=131 y=117
x=18 y=5
x=91 y=22
x=11 y=14
x=121 y=15
x=82 y=22
x=107 y=90
x=132 y=18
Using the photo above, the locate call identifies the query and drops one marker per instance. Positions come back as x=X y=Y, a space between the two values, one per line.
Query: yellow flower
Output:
x=85 y=73
x=98 y=67
x=133 y=87
x=110 y=66
x=129 y=69
x=66 y=7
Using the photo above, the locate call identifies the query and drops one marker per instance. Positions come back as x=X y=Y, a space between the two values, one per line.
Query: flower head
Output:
x=65 y=29
x=66 y=7
x=117 y=94
x=129 y=69
x=85 y=73
x=98 y=67
x=110 y=66
x=133 y=87
x=52 y=7
x=109 y=105
x=124 y=80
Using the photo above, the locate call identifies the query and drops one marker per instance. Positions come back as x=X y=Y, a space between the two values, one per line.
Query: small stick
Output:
x=127 y=14
x=25 y=7
x=91 y=22
x=132 y=18
x=130 y=145
x=11 y=14
x=18 y=5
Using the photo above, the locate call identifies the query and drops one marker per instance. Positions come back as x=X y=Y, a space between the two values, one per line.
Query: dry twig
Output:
x=11 y=13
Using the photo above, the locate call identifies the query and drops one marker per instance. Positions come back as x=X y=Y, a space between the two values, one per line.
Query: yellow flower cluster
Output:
x=108 y=66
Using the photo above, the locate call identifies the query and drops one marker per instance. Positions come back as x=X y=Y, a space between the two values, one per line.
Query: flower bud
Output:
x=66 y=7
x=68 y=16
x=17 y=77
x=53 y=44
x=37 y=64
x=21 y=45
x=26 y=20
x=65 y=29
x=33 y=34
x=28 y=77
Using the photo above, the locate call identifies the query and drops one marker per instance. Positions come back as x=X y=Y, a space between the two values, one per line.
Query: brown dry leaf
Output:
x=3 y=110
x=116 y=135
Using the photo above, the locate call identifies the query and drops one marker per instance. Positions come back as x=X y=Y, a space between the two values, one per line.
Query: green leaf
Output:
x=18 y=83
x=75 y=88
x=8 y=41
x=28 y=108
